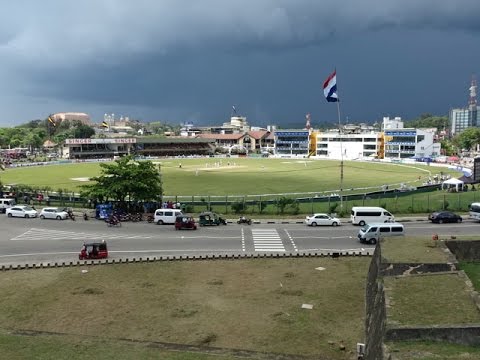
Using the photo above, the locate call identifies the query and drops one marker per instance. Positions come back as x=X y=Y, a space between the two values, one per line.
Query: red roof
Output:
x=257 y=135
x=271 y=136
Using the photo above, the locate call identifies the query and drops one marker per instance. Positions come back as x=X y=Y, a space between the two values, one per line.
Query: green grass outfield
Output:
x=240 y=176
x=217 y=183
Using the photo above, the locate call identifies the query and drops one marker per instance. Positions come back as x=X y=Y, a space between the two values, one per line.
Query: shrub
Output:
x=295 y=206
x=282 y=203
x=333 y=208
x=238 y=207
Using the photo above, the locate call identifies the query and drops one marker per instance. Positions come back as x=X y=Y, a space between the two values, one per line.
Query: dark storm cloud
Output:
x=193 y=59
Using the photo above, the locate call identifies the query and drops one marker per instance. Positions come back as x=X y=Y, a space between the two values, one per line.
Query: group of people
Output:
x=39 y=197
x=170 y=205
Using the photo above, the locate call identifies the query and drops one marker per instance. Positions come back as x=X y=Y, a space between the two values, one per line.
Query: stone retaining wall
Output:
x=375 y=318
x=464 y=250
x=459 y=334
x=333 y=254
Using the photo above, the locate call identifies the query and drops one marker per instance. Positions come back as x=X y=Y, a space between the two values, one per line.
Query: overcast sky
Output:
x=183 y=60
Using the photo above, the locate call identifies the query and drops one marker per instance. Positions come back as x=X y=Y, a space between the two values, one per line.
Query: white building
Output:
x=353 y=146
x=238 y=123
x=461 y=119
x=405 y=143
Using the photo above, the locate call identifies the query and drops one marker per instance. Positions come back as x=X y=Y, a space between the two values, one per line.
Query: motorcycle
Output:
x=136 y=217
x=113 y=221
x=71 y=215
x=244 y=220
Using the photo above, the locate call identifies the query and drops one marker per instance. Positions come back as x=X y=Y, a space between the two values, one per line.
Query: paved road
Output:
x=28 y=241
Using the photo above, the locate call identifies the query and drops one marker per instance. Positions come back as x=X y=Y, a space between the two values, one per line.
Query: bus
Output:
x=362 y=215
x=474 y=210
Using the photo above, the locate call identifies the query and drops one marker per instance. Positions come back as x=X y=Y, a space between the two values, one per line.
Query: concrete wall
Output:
x=375 y=319
x=458 y=334
x=465 y=250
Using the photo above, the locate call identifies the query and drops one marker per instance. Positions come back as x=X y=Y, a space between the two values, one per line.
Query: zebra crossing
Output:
x=267 y=240
x=264 y=240
x=46 y=234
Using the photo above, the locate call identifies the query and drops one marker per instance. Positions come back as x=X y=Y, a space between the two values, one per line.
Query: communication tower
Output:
x=307 y=124
x=472 y=102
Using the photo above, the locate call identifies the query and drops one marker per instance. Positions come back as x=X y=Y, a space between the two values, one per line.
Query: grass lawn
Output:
x=242 y=177
x=55 y=347
x=250 y=304
x=259 y=180
x=472 y=269
x=429 y=300
x=428 y=350
x=412 y=249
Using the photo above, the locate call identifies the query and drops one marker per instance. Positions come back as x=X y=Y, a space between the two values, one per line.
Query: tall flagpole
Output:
x=330 y=91
x=341 y=150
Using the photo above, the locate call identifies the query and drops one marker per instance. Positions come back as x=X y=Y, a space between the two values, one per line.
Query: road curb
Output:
x=331 y=254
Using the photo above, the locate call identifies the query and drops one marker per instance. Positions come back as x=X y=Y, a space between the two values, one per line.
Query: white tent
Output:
x=453 y=183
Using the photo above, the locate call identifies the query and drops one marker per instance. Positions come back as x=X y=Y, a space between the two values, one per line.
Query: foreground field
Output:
x=251 y=304
x=239 y=176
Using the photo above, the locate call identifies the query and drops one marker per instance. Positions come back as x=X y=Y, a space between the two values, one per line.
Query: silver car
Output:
x=22 y=211
x=322 y=219
x=53 y=213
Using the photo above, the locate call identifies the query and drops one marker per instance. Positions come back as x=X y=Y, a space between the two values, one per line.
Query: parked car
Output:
x=322 y=219
x=22 y=211
x=209 y=218
x=441 y=217
x=185 y=222
x=53 y=213
x=6 y=203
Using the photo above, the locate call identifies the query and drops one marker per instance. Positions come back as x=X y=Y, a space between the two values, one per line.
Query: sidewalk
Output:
x=343 y=220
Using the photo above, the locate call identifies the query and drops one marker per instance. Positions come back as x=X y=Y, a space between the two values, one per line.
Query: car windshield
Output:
x=27 y=208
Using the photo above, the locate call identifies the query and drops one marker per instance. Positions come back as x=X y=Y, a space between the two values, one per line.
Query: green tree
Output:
x=448 y=147
x=126 y=180
x=282 y=202
x=468 y=138
x=83 y=131
x=429 y=121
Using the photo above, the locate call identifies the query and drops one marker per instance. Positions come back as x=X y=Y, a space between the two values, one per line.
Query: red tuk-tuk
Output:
x=94 y=250
x=185 y=222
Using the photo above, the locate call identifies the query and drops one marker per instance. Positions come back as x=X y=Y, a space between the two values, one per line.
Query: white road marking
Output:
x=209 y=237
x=291 y=240
x=320 y=237
x=267 y=240
x=46 y=234
x=243 y=240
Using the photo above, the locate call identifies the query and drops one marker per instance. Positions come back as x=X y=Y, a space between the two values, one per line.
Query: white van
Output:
x=166 y=216
x=362 y=215
x=372 y=233
x=6 y=203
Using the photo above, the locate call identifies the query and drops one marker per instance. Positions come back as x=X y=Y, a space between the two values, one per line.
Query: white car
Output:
x=322 y=219
x=22 y=211
x=53 y=213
